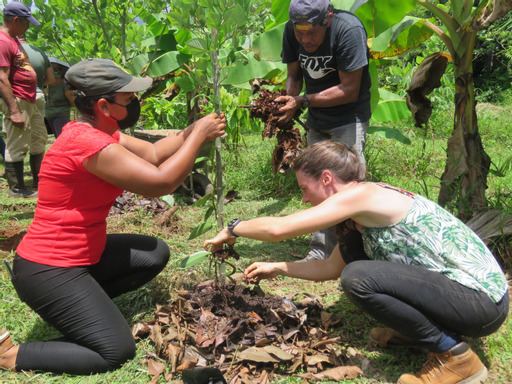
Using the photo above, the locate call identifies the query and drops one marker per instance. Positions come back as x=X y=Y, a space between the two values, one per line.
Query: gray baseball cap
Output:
x=313 y=12
x=15 y=8
x=96 y=77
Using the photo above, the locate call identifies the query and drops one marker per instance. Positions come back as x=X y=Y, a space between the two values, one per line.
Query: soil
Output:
x=10 y=237
x=127 y=203
x=245 y=333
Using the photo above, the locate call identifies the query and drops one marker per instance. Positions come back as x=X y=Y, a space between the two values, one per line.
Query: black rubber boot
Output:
x=35 y=167
x=14 y=175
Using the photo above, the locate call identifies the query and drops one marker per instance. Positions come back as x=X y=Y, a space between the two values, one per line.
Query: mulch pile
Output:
x=130 y=202
x=289 y=139
x=247 y=334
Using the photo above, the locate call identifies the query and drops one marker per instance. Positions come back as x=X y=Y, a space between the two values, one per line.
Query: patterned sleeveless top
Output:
x=430 y=237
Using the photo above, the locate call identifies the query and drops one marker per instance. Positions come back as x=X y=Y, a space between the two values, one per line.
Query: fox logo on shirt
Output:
x=316 y=66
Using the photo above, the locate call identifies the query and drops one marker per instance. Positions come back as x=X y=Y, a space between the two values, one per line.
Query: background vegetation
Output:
x=132 y=32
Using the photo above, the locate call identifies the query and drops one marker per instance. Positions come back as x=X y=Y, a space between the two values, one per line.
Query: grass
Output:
x=417 y=168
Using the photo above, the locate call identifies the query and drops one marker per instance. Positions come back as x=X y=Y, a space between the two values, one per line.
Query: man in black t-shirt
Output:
x=327 y=49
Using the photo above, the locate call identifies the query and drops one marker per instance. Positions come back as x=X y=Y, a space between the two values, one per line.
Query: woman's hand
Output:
x=289 y=108
x=217 y=243
x=211 y=126
x=258 y=271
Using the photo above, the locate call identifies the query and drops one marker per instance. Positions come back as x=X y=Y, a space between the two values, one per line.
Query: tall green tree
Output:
x=77 y=29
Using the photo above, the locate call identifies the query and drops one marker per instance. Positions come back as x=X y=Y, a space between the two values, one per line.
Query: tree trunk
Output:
x=464 y=180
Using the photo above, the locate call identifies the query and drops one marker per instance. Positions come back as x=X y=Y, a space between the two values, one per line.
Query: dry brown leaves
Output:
x=289 y=139
x=130 y=202
x=247 y=334
x=426 y=78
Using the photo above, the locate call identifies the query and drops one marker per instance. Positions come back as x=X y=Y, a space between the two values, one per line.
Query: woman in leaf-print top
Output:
x=406 y=261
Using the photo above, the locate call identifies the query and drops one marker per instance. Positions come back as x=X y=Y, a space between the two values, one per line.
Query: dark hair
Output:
x=333 y=156
x=85 y=104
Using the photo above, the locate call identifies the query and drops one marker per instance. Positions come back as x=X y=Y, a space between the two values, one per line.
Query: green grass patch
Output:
x=416 y=167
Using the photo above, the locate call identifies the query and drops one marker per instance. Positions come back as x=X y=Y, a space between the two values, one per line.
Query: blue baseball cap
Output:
x=15 y=8
x=312 y=12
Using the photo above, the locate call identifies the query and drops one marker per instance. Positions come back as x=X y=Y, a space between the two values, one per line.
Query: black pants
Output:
x=416 y=302
x=77 y=302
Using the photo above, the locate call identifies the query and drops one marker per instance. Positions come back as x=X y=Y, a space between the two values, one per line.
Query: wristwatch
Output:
x=305 y=102
x=231 y=225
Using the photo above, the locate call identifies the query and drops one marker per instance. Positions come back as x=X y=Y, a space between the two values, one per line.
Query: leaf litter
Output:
x=249 y=335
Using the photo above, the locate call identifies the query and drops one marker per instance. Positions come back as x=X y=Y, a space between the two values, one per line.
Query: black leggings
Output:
x=414 y=301
x=77 y=302
x=419 y=303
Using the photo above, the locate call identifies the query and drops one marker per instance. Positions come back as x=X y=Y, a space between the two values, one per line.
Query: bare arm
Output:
x=345 y=92
x=294 y=79
x=331 y=211
x=316 y=270
x=8 y=97
x=129 y=165
x=157 y=153
x=367 y=204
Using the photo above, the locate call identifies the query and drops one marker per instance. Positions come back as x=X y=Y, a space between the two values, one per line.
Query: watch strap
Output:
x=305 y=101
x=231 y=225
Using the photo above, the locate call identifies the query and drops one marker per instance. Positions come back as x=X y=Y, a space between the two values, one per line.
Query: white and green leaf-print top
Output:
x=430 y=237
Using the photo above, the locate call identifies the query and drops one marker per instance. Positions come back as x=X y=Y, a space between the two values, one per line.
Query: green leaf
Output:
x=389 y=133
x=391 y=108
x=374 y=89
x=166 y=63
x=348 y=5
x=168 y=199
x=243 y=72
x=390 y=111
x=199 y=159
x=197 y=46
x=209 y=212
x=279 y=10
x=186 y=83
x=238 y=16
x=199 y=230
x=195 y=258
x=213 y=19
x=203 y=200
x=266 y=47
x=400 y=38
x=377 y=15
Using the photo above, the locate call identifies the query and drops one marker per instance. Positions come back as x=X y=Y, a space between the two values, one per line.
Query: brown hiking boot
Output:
x=382 y=337
x=5 y=341
x=458 y=365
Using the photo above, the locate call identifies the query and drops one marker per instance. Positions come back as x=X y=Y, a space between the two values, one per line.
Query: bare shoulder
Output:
x=382 y=206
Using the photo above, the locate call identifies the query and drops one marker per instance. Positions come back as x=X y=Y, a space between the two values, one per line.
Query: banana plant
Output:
x=464 y=180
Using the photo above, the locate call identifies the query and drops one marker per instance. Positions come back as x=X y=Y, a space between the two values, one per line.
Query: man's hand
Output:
x=290 y=107
x=17 y=120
